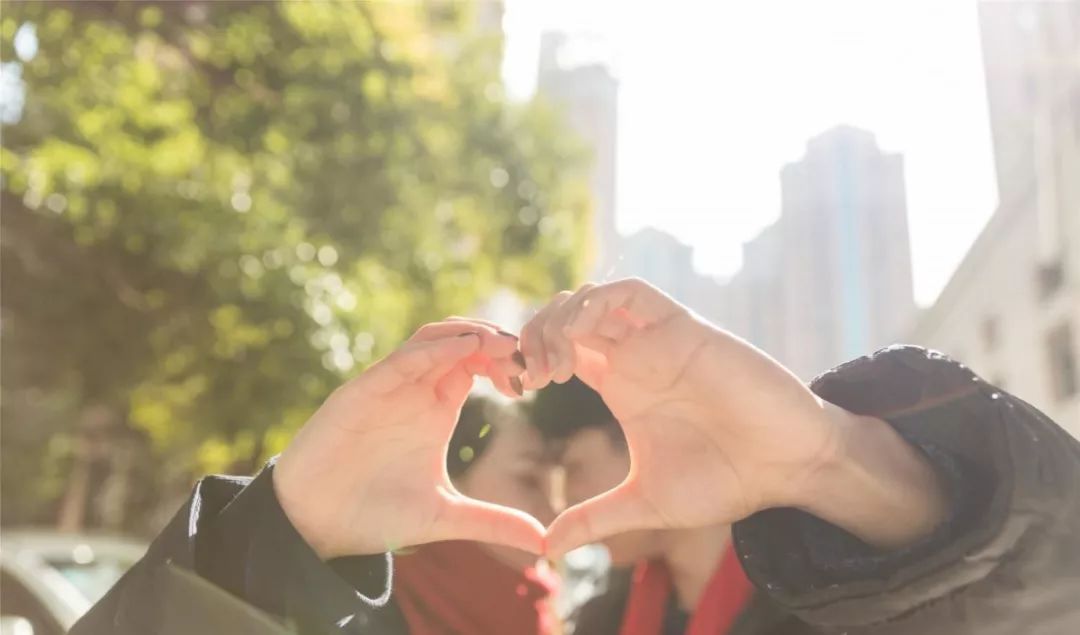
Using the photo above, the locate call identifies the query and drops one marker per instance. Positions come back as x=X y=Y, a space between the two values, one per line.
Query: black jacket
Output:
x=1007 y=559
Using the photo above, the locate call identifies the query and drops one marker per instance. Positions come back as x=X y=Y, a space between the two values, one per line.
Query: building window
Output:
x=989 y=333
x=1063 y=371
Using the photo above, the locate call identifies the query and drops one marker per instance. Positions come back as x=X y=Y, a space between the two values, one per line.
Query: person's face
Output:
x=594 y=463
x=512 y=471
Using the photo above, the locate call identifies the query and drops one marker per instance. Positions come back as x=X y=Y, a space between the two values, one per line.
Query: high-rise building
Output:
x=845 y=251
x=831 y=279
x=1031 y=53
x=588 y=96
x=755 y=294
x=660 y=258
x=668 y=264
x=1011 y=311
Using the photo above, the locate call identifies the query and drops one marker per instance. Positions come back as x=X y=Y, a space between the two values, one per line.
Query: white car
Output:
x=49 y=579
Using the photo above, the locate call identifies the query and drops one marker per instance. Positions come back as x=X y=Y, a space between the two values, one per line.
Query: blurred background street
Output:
x=215 y=212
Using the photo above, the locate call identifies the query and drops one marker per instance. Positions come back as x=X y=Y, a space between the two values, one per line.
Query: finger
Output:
x=464 y=518
x=532 y=344
x=496 y=345
x=503 y=374
x=631 y=299
x=613 y=512
x=418 y=360
x=597 y=343
x=592 y=365
x=454 y=386
x=475 y=364
x=615 y=326
x=512 y=366
x=494 y=325
x=494 y=341
x=561 y=351
x=501 y=381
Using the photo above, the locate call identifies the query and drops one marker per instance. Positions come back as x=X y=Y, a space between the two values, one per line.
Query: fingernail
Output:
x=515 y=384
x=505 y=334
x=519 y=359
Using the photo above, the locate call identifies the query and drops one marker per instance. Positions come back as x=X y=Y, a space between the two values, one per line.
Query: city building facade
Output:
x=1012 y=309
x=587 y=94
x=831 y=279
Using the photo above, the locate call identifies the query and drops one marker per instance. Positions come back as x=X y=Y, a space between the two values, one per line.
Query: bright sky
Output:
x=716 y=96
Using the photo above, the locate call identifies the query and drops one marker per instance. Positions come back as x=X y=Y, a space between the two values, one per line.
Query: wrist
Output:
x=874 y=484
x=293 y=502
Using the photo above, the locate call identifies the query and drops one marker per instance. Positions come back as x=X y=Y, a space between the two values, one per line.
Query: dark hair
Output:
x=474 y=431
x=560 y=411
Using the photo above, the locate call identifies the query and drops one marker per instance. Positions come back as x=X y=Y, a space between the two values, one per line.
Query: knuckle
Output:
x=528 y=335
x=424 y=329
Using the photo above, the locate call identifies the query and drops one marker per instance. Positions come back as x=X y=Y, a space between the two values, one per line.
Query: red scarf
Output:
x=724 y=598
x=457 y=588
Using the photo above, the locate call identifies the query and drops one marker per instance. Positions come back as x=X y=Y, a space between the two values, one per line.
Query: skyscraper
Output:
x=588 y=96
x=666 y=262
x=846 y=251
x=755 y=294
x=1031 y=53
x=831 y=280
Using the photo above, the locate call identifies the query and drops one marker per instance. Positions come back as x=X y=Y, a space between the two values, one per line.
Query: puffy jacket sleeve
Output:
x=230 y=562
x=1007 y=558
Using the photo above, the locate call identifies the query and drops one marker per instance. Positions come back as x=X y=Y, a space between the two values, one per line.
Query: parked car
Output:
x=49 y=579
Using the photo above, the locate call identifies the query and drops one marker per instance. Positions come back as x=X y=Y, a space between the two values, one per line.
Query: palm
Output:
x=367 y=472
x=406 y=464
x=701 y=423
x=703 y=412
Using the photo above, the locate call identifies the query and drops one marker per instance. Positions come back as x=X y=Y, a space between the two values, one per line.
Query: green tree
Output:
x=212 y=212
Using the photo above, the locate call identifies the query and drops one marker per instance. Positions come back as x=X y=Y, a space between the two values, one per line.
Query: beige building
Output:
x=1011 y=325
x=588 y=95
x=668 y=263
x=831 y=279
x=1012 y=309
x=756 y=292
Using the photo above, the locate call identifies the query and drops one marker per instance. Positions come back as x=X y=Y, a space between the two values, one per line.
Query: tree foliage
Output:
x=212 y=212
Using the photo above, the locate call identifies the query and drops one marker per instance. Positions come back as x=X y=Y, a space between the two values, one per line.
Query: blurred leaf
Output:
x=215 y=212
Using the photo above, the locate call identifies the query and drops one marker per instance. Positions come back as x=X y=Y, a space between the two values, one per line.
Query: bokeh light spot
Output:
x=499 y=177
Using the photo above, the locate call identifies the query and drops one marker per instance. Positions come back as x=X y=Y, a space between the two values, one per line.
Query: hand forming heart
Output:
x=367 y=473
x=716 y=429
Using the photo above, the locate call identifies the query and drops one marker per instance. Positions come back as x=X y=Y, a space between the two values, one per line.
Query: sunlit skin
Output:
x=743 y=431
x=514 y=471
x=594 y=463
x=367 y=472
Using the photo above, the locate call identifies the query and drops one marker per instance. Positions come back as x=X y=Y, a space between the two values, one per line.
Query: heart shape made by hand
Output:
x=716 y=429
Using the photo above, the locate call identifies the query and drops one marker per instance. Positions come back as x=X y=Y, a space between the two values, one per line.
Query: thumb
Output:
x=464 y=518
x=613 y=512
